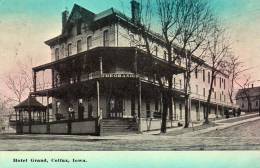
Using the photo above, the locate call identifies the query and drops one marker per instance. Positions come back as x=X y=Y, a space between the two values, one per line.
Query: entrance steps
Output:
x=118 y=127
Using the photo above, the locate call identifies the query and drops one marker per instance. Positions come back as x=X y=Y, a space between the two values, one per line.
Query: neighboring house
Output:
x=248 y=99
x=100 y=81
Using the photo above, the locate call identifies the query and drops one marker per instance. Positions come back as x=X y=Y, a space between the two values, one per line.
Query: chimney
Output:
x=65 y=15
x=135 y=7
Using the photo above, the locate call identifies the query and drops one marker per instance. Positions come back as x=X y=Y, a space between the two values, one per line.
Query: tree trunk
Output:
x=186 y=101
x=209 y=99
x=164 y=111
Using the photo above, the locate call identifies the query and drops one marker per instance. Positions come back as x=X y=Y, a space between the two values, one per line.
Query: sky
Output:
x=26 y=24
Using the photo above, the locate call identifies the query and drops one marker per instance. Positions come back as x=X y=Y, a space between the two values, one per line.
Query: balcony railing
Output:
x=212 y=100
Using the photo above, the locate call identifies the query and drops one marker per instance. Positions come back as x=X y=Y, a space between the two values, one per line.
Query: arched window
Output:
x=79 y=46
x=89 y=42
x=105 y=38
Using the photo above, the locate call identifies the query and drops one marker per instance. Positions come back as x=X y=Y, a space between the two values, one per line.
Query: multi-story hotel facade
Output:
x=100 y=80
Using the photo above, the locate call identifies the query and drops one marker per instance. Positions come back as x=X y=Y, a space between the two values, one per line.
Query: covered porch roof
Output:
x=108 y=53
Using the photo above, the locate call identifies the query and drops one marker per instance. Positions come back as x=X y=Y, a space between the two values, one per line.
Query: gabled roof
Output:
x=252 y=92
x=85 y=14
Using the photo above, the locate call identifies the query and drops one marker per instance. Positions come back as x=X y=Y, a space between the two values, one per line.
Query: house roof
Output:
x=86 y=15
x=30 y=102
x=251 y=92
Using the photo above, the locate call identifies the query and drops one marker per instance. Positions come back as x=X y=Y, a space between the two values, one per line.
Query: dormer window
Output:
x=105 y=38
x=79 y=23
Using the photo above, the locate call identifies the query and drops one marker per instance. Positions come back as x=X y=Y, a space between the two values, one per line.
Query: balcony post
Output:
x=52 y=78
x=101 y=65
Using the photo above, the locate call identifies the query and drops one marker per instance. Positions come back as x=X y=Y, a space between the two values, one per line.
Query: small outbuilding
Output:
x=29 y=112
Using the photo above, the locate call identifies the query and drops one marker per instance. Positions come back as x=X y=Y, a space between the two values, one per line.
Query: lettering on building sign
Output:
x=109 y=75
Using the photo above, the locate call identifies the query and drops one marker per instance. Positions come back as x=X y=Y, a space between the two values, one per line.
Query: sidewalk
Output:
x=200 y=128
x=223 y=124
x=171 y=132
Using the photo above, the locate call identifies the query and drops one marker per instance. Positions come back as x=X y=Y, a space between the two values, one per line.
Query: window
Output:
x=215 y=95
x=180 y=108
x=132 y=106
x=57 y=107
x=79 y=46
x=57 y=53
x=148 y=111
x=197 y=113
x=215 y=81
x=220 y=82
x=90 y=109
x=89 y=42
x=196 y=73
x=208 y=77
x=156 y=50
x=79 y=23
x=224 y=83
x=81 y=109
x=69 y=49
x=132 y=40
x=242 y=105
x=164 y=55
x=174 y=82
x=156 y=106
x=204 y=92
x=105 y=38
x=203 y=75
x=180 y=84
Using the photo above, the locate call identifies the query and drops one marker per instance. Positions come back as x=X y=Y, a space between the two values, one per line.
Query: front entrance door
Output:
x=116 y=107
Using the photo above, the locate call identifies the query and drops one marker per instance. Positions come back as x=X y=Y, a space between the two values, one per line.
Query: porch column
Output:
x=190 y=119
x=52 y=78
x=199 y=111
x=175 y=112
x=139 y=104
x=48 y=116
x=16 y=124
x=30 y=120
x=98 y=102
x=48 y=110
x=171 y=115
x=217 y=111
x=100 y=65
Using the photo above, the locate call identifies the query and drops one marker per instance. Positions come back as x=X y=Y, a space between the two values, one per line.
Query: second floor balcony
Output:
x=103 y=63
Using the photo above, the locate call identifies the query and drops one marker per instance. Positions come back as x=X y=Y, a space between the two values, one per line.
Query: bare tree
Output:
x=235 y=69
x=195 y=19
x=19 y=83
x=184 y=26
x=218 y=47
x=244 y=91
